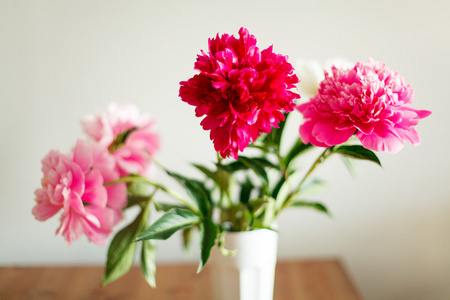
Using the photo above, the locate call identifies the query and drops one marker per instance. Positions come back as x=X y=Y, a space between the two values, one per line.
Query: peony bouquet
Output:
x=244 y=96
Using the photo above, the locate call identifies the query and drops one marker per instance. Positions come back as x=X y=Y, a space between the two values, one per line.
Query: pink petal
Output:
x=43 y=211
x=327 y=133
x=389 y=142
x=82 y=156
x=117 y=195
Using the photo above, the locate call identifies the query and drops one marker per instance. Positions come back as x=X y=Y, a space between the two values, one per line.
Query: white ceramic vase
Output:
x=250 y=273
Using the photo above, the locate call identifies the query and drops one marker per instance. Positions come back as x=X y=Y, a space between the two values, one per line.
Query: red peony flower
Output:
x=368 y=100
x=242 y=91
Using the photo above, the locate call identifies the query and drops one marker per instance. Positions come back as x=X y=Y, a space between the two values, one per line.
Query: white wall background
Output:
x=60 y=60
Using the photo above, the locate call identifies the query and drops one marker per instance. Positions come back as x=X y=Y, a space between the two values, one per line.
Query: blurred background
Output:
x=60 y=60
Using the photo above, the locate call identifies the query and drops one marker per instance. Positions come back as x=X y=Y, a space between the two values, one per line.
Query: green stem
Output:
x=150 y=198
x=223 y=193
x=324 y=155
x=158 y=186
x=219 y=160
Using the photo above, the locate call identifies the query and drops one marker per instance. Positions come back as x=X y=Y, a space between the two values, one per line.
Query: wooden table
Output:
x=305 y=279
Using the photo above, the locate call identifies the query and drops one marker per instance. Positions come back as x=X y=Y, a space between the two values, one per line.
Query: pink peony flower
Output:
x=74 y=184
x=241 y=90
x=368 y=100
x=131 y=137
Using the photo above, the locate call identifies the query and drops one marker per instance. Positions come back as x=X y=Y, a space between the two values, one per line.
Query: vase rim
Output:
x=250 y=232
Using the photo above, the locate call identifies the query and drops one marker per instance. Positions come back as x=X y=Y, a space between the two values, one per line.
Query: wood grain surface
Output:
x=304 y=279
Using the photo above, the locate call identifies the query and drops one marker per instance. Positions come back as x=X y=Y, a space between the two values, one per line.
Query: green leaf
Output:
x=207 y=192
x=122 y=250
x=224 y=179
x=358 y=152
x=277 y=187
x=148 y=265
x=161 y=206
x=237 y=217
x=194 y=191
x=187 y=236
x=314 y=205
x=257 y=206
x=232 y=167
x=312 y=186
x=209 y=231
x=246 y=189
x=136 y=200
x=264 y=162
x=121 y=265
x=256 y=165
x=348 y=161
x=120 y=139
x=277 y=133
x=245 y=163
x=274 y=137
x=298 y=148
x=209 y=173
x=285 y=189
x=269 y=213
x=172 y=221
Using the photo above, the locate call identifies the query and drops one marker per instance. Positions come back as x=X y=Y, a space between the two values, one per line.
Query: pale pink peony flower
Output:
x=368 y=100
x=105 y=126
x=74 y=184
x=312 y=72
x=130 y=137
x=242 y=91
x=135 y=155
